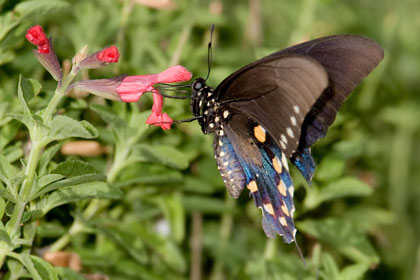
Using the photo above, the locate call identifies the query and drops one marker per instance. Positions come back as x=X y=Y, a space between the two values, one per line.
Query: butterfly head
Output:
x=204 y=105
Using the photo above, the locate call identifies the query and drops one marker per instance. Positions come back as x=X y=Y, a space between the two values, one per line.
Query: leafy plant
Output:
x=172 y=218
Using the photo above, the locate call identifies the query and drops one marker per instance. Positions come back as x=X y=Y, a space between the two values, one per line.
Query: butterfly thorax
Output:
x=205 y=106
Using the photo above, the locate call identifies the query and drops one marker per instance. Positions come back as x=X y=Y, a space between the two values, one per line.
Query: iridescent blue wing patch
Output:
x=252 y=157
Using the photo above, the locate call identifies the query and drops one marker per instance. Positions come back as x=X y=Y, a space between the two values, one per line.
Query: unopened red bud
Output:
x=36 y=36
x=109 y=55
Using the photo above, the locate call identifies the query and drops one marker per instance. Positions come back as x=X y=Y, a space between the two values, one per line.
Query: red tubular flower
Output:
x=36 y=36
x=45 y=53
x=131 y=88
x=157 y=118
x=109 y=55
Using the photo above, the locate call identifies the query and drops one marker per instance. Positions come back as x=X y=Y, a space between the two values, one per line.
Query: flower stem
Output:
x=58 y=95
x=14 y=225
x=4 y=249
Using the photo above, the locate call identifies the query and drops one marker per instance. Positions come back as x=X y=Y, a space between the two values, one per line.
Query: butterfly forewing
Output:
x=347 y=59
x=277 y=94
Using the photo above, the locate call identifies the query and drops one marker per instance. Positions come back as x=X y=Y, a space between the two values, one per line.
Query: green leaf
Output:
x=41 y=8
x=343 y=187
x=50 y=230
x=125 y=240
x=31 y=121
x=368 y=219
x=77 y=193
x=173 y=209
x=205 y=204
x=16 y=269
x=70 y=182
x=6 y=56
x=171 y=177
x=330 y=169
x=23 y=91
x=6 y=169
x=31 y=216
x=165 y=248
x=64 y=127
x=2 y=207
x=47 y=156
x=330 y=270
x=107 y=115
x=161 y=154
x=353 y=272
x=45 y=269
x=4 y=236
x=138 y=122
x=13 y=153
x=68 y=274
x=343 y=236
x=29 y=265
x=48 y=179
x=73 y=168
x=10 y=206
x=28 y=89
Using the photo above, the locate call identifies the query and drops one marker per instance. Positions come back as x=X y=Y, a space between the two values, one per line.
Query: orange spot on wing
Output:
x=282 y=188
x=252 y=186
x=269 y=209
x=277 y=164
x=259 y=133
x=283 y=221
x=285 y=210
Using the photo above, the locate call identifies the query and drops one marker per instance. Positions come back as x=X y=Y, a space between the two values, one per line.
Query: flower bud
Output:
x=45 y=53
x=100 y=58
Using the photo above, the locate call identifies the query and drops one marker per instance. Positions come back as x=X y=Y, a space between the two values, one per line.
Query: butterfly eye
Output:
x=198 y=85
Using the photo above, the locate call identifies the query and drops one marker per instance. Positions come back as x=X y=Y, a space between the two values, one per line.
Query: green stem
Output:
x=4 y=250
x=13 y=227
x=62 y=242
x=58 y=95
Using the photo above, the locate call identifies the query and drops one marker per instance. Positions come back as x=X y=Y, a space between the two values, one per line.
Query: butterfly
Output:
x=272 y=111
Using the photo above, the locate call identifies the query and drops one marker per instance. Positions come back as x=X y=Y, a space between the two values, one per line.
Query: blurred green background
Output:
x=359 y=220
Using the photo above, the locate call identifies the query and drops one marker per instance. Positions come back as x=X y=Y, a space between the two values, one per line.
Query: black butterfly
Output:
x=274 y=110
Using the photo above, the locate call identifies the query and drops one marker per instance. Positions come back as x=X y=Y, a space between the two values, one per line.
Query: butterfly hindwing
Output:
x=266 y=174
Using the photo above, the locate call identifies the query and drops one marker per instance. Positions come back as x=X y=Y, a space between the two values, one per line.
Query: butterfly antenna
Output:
x=300 y=253
x=209 y=52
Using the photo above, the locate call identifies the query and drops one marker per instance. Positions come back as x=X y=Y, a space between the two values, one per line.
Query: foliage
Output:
x=160 y=209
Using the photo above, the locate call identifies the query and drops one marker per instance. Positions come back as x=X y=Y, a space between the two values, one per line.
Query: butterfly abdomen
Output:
x=229 y=165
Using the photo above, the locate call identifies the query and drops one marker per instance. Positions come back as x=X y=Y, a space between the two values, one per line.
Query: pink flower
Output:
x=36 y=36
x=157 y=118
x=109 y=55
x=131 y=88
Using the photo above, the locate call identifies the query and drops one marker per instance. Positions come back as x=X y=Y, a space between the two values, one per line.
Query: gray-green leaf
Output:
x=162 y=154
x=344 y=236
x=64 y=127
x=77 y=193
x=343 y=187
x=73 y=168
